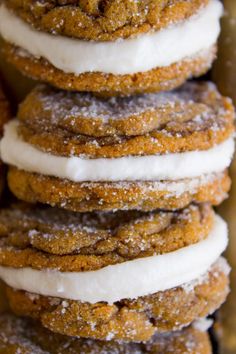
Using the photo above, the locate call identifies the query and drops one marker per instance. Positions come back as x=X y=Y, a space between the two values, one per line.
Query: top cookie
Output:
x=193 y=117
x=101 y=20
x=143 y=55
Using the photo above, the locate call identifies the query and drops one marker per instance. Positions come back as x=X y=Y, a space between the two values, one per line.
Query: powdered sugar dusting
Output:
x=63 y=105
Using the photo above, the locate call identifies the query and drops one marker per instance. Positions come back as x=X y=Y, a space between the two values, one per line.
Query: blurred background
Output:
x=224 y=74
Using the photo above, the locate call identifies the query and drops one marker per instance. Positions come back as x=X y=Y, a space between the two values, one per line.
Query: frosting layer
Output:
x=148 y=51
x=18 y=153
x=130 y=279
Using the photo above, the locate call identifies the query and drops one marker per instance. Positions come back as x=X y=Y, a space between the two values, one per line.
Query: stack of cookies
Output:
x=114 y=238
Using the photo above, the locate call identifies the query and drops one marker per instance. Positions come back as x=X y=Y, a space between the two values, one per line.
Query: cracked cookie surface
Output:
x=195 y=117
x=43 y=238
x=101 y=20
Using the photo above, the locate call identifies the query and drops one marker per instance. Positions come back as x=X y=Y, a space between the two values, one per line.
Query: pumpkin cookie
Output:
x=90 y=196
x=51 y=238
x=150 y=60
x=155 y=80
x=110 y=286
x=103 y=21
x=177 y=158
x=196 y=111
x=129 y=320
x=28 y=336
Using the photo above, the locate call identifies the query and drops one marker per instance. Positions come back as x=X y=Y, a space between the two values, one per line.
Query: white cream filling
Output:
x=148 y=51
x=130 y=279
x=203 y=324
x=173 y=166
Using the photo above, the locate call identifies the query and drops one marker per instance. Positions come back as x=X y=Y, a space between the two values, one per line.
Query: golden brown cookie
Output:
x=118 y=51
x=155 y=80
x=50 y=238
x=29 y=337
x=58 y=253
x=89 y=196
x=129 y=320
x=194 y=117
x=103 y=20
x=81 y=175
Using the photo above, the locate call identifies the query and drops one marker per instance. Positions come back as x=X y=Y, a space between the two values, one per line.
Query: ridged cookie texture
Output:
x=101 y=20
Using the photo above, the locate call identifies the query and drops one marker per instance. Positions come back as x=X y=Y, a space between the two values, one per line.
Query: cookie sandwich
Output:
x=84 y=153
x=124 y=275
x=111 y=47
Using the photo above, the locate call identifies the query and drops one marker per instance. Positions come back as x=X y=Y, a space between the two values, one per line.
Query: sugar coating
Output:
x=101 y=21
x=173 y=166
x=120 y=57
x=95 y=240
x=193 y=107
x=130 y=320
x=130 y=279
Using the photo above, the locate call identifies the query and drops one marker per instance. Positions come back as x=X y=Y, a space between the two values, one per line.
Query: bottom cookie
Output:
x=89 y=196
x=129 y=319
x=155 y=80
x=28 y=337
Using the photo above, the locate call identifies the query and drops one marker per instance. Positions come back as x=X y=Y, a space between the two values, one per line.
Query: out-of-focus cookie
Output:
x=5 y=111
x=25 y=336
